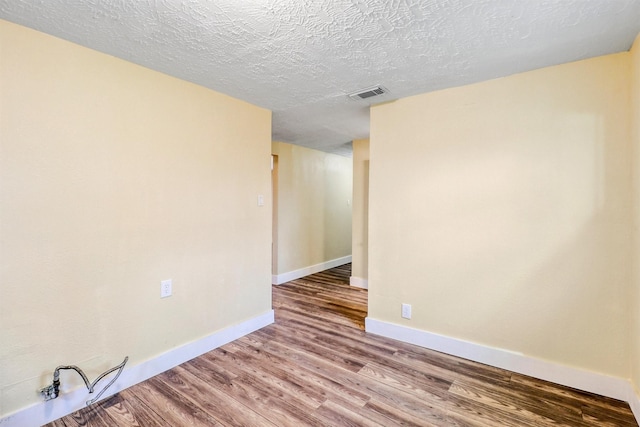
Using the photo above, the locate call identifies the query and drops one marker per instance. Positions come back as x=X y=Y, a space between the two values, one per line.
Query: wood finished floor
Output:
x=315 y=366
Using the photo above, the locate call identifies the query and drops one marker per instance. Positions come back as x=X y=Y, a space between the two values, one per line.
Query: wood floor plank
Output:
x=295 y=319
x=316 y=366
x=262 y=398
x=316 y=387
x=337 y=415
x=333 y=339
x=615 y=409
x=131 y=411
x=92 y=416
x=424 y=387
x=597 y=416
x=175 y=408
x=493 y=401
x=348 y=318
x=433 y=409
x=269 y=376
x=451 y=366
x=343 y=360
x=212 y=400
x=387 y=414
x=327 y=376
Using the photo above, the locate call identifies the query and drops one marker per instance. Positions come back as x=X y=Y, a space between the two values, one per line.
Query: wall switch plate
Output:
x=406 y=311
x=260 y=200
x=165 y=288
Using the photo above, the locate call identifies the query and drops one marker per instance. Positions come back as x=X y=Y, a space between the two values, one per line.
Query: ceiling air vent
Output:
x=368 y=93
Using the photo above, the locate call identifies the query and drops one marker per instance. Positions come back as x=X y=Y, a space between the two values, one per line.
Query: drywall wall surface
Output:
x=634 y=330
x=360 y=210
x=314 y=207
x=501 y=212
x=114 y=177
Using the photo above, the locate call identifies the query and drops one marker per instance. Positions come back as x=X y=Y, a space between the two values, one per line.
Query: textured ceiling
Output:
x=300 y=58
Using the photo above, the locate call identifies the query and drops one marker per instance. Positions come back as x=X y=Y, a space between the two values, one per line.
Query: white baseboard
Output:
x=69 y=402
x=605 y=385
x=359 y=282
x=296 y=274
x=634 y=401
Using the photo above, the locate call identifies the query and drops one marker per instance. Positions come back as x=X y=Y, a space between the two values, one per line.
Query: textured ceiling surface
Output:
x=300 y=58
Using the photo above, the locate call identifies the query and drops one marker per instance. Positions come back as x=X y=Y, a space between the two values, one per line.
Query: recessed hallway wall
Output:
x=314 y=210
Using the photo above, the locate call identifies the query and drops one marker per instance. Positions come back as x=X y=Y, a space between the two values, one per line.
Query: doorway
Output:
x=274 y=216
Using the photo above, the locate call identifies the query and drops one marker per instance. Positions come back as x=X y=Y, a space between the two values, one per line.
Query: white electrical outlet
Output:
x=165 y=288
x=406 y=311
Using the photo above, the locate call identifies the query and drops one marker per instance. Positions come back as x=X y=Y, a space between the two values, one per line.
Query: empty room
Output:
x=331 y=213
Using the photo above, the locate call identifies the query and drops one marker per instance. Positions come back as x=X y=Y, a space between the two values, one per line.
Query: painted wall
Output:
x=112 y=178
x=360 y=212
x=501 y=211
x=634 y=331
x=314 y=207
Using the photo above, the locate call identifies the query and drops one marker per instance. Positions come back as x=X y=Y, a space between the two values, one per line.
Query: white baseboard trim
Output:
x=605 y=385
x=634 y=401
x=71 y=401
x=296 y=274
x=359 y=282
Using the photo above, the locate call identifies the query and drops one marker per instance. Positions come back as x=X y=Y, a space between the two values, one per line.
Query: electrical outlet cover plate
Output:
x=165 y=288
x=406 y=311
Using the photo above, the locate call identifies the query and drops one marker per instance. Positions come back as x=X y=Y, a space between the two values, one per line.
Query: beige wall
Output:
x=314 y=207
x=360 y=209
x=501 y=212
x=112 y=178
x=634 y=331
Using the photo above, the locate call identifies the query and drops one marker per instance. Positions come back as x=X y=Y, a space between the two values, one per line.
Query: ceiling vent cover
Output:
x=368 y=93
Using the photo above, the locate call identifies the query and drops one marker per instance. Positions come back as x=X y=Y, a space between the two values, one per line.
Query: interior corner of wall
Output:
x=636 y=43
x=634 y=400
